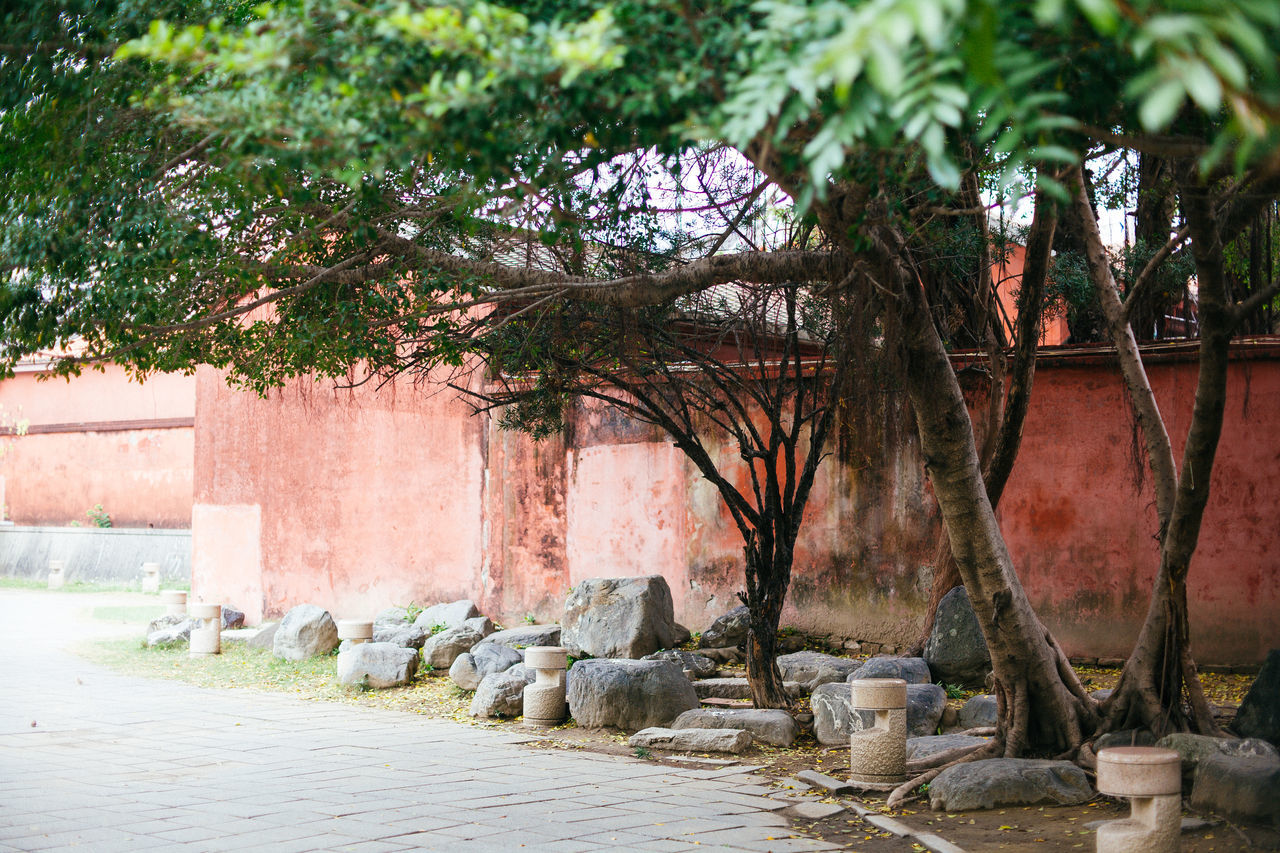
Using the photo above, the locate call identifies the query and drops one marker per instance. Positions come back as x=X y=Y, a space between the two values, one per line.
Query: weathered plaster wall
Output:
x=98 y=438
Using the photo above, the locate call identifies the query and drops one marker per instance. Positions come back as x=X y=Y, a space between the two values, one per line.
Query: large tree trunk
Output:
x=768 y=576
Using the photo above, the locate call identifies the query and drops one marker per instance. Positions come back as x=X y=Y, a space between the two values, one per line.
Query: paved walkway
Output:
x=98 y=761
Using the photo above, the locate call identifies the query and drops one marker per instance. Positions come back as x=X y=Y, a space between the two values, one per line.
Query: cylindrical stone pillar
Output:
x=206 y=629
x=151 y=577
x=56 y=576
x=174 y=601
x=878 y=755
x=1152 y=780
x=544 y=700
x=355 y=630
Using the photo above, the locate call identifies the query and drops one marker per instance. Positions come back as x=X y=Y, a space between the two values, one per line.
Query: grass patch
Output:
x=84 y=586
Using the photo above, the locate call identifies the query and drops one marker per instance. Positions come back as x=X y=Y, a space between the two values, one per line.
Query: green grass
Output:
x=83 y=586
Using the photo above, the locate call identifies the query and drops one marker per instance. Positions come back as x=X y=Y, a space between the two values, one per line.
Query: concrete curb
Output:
x=888 y=824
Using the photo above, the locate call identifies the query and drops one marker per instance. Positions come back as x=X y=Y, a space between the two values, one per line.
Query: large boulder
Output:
x=922 y=747
x=439 y=651
x=164 y=622
x=174 y=632
x=628 y=694
x=1008 y=782
x=619 y=618
x=834 y=717
x=1259 y=714
x=470 y=668
x=692 y=740
x=979 y=712
x=526 y=635
x=777 y=728
x=392 y=617
x=910 y=670
x=1193 y=748
x=729 y=630
x=501 y=694
x=1242 y=788
x=925 y=704
x=377 y=665
x=406 y=635
x=700 y=665
x=304 y=632
x=956 y=650
x=440 y=617
x=814 y=668
x=232 y=619
x=738 y=688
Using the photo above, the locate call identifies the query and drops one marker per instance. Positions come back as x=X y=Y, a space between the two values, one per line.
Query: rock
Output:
x=1008 y=782
x=956 y=650
x=482 y=625
x=619 y=618
x=790 y=642
x=628 y=694
x=774 y=727
x=1243 y=788
x=174 y=634
x=239 y=635
x=978 y=712
x=739 y=688
x=923 y=747
x=910 y=670
x=1195 y=748
x=808 y=810
x=729 y=630
x=304 y=632
x=726 y=655
x=501 y=694
x=814 y=668
x=827 y=783
x=406 y=635
x=834 y=718
x=392 y=617
x=439 y=651
x=692 y=740
x=166 y=622
x=702 y=666
x=470 y=668
x=377 y=665
x=1259 y=714
x=682 y=635
x=265 y=639
x=1102 y=695
x=231 y=618
x=1124 y=737
x=525 y=636
x=441 y=617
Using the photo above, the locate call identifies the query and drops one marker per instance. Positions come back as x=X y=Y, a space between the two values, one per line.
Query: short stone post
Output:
x=1152 y=780
x=175 y=602
x=355 y=630
x=878 y=755
x=151 y=577
x=56 y=577
x=206 y=629
x=544 y=700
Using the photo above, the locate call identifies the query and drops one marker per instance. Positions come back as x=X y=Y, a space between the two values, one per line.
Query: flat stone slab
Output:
x=827 y=783
x=813 y=811
x=735 y=741
x=1009 y=782
x=525 y=636
x=770 y=726
x=239 y=635
x=737 y=688
x=1245 y=788
x=922 y=747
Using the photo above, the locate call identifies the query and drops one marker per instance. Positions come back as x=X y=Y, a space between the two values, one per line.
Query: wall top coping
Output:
x=184 y=532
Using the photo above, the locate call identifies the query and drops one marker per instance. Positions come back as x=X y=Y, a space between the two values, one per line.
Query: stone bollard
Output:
x=1152 y=780
x=151 y=577
x=175 y=602
x=878 y=755
x=56 y=577
x=355 y=630
x=544 y=700
x=206 y=629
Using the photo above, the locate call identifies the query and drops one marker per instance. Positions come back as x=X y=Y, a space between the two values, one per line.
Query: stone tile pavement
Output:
x=96 y=761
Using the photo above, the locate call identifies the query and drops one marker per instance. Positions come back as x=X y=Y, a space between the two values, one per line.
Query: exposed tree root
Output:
x=980 y=731
x=901 y=792
x=940 y=758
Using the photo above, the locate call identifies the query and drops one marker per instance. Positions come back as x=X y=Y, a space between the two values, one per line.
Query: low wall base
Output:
x=94 y=554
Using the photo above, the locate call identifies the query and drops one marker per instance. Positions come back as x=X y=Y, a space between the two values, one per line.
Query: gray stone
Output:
x=910 y=670
x=619 y=617
x=231 y=618
x=392 y=617
x=304 y=632
x=814 y=668
x=265 y=639
x=439 y=651
x=1102 y=694
x=377 y=665
x=702 y=666
x=777 y=728
x=470 y=668
x=919 y=748
x=834 y=718
x=1195 y=748
x=482 y=625
x=827 y=783
x=925 y=704
x=1008 y=782
x=440 y=617
x=174 y=634
x=1259 y=714
x=406 y=635
x=813 y=811
x=956 y=650
x=1124 y=737
x=501 y=694
x=682 y=635
x=739 y=688
x=978 y=712
x=1242 y=788
x=165 y=622
x=735 y=741
x=725 y=655
x=525 y=636
x=628 y=694
x=729 y=630
x=239 y=635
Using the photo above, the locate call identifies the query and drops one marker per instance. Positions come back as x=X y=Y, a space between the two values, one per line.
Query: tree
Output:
x=352 y=167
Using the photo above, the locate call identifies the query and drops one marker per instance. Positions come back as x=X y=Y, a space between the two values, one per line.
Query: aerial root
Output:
x=901 y=792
